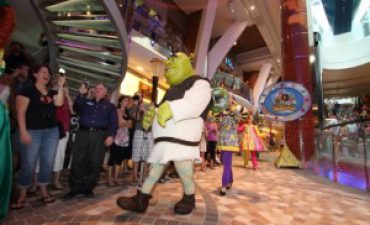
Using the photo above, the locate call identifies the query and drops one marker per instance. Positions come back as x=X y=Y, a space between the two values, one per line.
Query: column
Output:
x=260 y=84
x=223 y=46
x=299 y=134
x=204 y=35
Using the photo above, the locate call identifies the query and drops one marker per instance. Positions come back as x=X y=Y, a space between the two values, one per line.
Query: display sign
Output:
x=285 y=101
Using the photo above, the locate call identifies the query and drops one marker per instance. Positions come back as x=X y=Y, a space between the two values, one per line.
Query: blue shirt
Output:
x=99 y=115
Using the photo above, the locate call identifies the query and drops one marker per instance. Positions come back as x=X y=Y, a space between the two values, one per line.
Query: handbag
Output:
x=62 y=133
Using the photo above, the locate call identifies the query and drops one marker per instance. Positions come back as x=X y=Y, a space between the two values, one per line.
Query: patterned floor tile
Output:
x=267 y=196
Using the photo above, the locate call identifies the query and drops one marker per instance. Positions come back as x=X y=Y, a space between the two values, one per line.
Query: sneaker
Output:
x=223 y=191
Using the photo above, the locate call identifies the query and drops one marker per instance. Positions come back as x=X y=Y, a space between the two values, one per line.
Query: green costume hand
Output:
x=148 y=118
x=164 y=114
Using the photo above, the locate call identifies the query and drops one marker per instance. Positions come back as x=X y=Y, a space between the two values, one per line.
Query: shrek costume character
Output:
x=177 y=129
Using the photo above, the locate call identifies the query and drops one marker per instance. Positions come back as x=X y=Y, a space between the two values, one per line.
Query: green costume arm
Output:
x=148 y=118
x=164 y=114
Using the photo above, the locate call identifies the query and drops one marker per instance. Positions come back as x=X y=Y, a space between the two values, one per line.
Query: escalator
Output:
x=87 y=38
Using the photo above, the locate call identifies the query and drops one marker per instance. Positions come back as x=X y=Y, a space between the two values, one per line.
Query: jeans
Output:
x=43 y=147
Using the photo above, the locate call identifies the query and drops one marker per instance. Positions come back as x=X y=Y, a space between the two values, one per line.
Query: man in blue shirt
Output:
x=98 y=126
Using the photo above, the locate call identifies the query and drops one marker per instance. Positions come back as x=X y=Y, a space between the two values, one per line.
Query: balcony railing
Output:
x=343 y=153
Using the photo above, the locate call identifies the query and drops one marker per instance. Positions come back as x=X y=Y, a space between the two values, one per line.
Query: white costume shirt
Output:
x=186 y=124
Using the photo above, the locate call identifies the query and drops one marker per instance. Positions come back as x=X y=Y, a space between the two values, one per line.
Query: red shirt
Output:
x=63 y=115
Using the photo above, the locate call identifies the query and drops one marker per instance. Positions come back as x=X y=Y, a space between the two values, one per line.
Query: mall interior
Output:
x=294 y=74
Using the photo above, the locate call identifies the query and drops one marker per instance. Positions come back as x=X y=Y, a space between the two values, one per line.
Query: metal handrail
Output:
x=345 y=123
x=339 y=143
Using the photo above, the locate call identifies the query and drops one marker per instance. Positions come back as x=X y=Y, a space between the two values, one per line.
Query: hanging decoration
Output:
x=285 y=101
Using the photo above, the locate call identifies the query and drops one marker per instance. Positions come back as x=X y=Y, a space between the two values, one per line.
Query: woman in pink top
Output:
x=212 y=137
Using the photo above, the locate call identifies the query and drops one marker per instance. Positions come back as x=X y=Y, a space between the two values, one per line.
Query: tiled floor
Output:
x=265 y=196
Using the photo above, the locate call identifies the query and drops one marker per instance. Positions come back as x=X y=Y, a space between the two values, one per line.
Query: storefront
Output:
x=134 y=82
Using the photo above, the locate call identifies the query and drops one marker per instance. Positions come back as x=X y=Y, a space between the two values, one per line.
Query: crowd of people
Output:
x=41 y=108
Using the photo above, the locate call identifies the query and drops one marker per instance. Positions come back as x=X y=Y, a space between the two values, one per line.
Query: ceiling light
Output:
x=278 y=60
x=252 y=7
x=312 y=58
x=235 y=43
x=231 y=6
x=88 y=6
x=140 y=68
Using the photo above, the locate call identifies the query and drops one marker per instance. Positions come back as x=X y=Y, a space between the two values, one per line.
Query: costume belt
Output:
x=176 y=140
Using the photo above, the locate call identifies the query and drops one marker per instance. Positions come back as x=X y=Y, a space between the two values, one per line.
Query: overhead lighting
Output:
x=235 y=43
x=312 y=58
x=231 y=6
x=88 y=7
x=68 y=14
x=278 y=60
x=141 y=69
x=152 y=42
x=252 y=7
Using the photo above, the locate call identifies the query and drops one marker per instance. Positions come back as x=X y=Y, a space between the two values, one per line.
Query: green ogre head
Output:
x=178 y=68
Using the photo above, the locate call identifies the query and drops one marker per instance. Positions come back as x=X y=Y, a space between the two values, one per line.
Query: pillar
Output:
x=299 y=134
x=204 y=35
x=260 y=84
x=223 y=46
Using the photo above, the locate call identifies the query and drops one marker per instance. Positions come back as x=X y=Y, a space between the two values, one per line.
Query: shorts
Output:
x=142 y=145
x=118 y=154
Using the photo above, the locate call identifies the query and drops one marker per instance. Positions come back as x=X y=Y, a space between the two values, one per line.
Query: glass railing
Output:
x=342 y=153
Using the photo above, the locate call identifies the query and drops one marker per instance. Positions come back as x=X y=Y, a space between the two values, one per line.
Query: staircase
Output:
x=87 y=38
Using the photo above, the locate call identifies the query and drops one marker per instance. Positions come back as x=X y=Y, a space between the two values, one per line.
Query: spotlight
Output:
x=152 y=43
x=231 y=6
x=312 y=58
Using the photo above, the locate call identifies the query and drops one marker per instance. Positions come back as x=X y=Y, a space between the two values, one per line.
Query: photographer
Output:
x=38 y=131
x=142 y=143
x=98 y=125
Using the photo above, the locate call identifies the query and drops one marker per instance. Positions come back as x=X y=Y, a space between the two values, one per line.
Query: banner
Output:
x=285 y=101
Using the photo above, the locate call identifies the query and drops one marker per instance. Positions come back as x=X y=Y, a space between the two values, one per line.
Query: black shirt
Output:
x=40 y=113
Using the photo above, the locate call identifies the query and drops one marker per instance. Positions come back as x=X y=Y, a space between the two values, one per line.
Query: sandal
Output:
x=18 y=205
x=48 y=199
